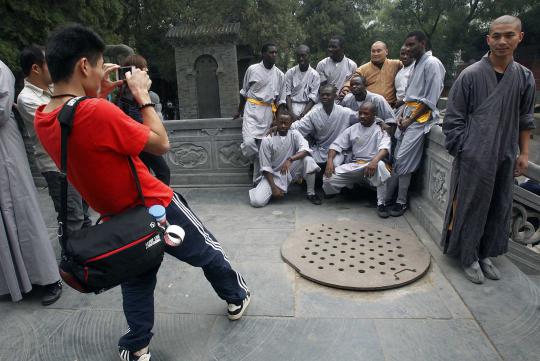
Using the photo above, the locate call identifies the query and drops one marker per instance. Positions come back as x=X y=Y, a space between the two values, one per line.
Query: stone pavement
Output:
x=440 y=317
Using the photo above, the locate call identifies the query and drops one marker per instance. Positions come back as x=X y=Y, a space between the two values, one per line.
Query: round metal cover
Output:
x=356 y=256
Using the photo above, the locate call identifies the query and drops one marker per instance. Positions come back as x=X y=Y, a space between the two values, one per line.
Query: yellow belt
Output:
x=258 y=102
x=424 y=117
x=387 y=165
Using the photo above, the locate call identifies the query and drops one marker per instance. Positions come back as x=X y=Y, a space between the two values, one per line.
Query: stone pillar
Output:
x=220 y=44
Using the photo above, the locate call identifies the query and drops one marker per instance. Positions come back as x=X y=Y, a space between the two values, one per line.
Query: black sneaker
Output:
x=52 y=293
x=382 y=211
x=398 y=209
x=315 y=199
x=127 y=355
x=235 y=311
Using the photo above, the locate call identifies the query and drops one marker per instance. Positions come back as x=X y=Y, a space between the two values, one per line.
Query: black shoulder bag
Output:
x=107 y=254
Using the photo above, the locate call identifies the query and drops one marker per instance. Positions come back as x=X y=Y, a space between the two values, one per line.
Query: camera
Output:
x=121 y=72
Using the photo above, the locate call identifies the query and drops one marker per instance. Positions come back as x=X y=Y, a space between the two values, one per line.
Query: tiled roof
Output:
x=184 y=32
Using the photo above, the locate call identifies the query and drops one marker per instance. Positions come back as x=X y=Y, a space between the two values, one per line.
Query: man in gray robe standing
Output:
x=415 y=118
x=487 y=127
x=26 y=254
x=261 y=94
x=336 y=68
x=301 y=85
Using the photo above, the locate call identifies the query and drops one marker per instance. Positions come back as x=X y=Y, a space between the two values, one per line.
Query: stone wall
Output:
x=227 y=74
x=206 y=153
x=430 y=186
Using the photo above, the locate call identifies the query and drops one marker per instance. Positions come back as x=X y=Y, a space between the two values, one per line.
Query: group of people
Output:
x=367 y=126
x=347 y=124
x=344 y=124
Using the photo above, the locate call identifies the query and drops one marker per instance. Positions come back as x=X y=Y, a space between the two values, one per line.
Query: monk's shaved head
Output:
x=303 y=48
x=370 y=107
x=379 y=43
x=506 y=19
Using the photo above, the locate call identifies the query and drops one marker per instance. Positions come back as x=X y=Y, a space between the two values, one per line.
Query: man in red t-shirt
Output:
x=101 y=140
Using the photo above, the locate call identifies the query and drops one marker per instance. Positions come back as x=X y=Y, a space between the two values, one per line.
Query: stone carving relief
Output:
x=188 y=155
x=525 y=224
x=212 y=132
x=232 y=154
x=437 y=186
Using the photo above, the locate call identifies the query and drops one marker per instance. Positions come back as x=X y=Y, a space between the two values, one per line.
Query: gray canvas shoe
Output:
x=474 y=273
x=489 y=269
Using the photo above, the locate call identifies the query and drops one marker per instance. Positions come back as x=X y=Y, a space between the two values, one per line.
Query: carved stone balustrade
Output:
x=206 y=153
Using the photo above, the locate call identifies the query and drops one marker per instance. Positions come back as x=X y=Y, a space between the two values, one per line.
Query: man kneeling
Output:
x=369 y=145
x=284 y=157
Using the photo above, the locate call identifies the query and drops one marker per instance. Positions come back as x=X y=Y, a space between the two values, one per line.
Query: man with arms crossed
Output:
x=101 y=140
x=487 y=125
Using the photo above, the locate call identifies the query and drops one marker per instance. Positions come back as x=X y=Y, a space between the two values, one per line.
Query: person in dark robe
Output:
x=488 y=122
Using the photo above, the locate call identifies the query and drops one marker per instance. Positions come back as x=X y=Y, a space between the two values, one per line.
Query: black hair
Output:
x=371 y=106
x=31 y=55
x=266 y=46
x=67 y=45
x=358 y=76
x=419 y=35
x=326 y=86
x=340 y=39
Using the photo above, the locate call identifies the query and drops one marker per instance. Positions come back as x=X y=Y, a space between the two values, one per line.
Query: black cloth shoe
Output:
x=127 y=355
x=52 y=293
x=382 y=211
x=398 y=209
x=315 y=199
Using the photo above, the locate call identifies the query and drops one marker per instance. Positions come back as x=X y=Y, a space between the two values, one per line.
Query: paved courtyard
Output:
x=440 y=317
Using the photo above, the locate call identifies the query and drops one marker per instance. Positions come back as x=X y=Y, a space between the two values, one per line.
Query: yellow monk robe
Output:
x=380 y=80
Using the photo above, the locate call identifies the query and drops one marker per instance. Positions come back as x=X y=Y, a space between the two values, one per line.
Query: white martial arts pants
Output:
x=306 y=168
x=347 y=175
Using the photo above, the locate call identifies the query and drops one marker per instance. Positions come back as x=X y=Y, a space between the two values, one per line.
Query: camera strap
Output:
x=65 y=117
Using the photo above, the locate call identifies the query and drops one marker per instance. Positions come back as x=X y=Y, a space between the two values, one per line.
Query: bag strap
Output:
x=65 y=118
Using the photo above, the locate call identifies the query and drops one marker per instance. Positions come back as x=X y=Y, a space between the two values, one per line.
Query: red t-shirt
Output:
x=100 y=142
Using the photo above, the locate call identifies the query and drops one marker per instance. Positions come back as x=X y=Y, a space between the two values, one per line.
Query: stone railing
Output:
x=206 y=153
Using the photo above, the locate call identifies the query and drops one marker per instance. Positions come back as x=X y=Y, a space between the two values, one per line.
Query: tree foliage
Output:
x=453 y=26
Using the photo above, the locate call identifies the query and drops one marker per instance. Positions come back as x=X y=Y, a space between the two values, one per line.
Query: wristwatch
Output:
x=142 y=106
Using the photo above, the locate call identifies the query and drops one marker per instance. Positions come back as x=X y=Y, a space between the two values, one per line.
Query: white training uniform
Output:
x=325 y=128
x=384 y=110
x=274 y=151
x=364 y=144
x=262 y=85
x=402 y=79
x=336 y=73
x=302 y=86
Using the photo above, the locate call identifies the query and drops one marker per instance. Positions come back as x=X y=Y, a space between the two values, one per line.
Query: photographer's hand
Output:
x=139 y=83
x=107 y=85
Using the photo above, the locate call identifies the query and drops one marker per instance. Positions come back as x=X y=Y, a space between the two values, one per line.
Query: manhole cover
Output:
x=354 y=256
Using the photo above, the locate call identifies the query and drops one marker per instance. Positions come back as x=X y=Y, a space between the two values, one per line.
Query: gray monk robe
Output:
x=26 y=253
x=482 y=124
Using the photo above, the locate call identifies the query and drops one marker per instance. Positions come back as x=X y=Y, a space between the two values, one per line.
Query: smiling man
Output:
x=369 y=145
x=488 y=122
x=336 y=68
